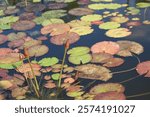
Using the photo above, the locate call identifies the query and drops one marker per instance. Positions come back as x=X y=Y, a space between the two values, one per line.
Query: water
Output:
x=140 y=35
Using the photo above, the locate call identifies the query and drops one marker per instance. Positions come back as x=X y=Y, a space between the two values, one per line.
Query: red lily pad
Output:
x=35 y=7
x=62 y=38
x=144 y=68
x=27 y=16
x=134 y=23
x=3 y=38
x=56 y=5
x=23 y=25
x=55 y=29
x=16 y=43
x=105 y=47
x=5 y=51
x=112 y=62
x=80 y=11
x=110 y=96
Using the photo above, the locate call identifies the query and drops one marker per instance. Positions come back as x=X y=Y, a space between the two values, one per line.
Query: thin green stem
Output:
x=138 y=95
x=62 y=66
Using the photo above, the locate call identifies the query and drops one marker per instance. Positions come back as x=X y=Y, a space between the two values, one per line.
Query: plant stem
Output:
x=36 y=82
x=6 y=1
x=26 y=2
x=138 y=95
x=62 y=66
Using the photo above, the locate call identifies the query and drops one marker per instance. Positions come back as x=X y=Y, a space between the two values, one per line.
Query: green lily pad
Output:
x=90 y=18
x=55 y=76
x=143 y=5
x=82 y=59
x=46 y=62
x=75 y=93
x=10 y=65
x=109 y=25
x=77 y=51
x=52 y=21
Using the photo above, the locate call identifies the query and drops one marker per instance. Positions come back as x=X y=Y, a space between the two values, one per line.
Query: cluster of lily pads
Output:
x=38 y=77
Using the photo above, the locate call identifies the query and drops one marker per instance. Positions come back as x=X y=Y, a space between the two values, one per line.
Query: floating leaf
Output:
x=107 y=87
x=118 y=33
x=48 y=61
x=119 y=19
x=55 y=76
x=5 y=84
x=10 y=11
x=16 y=36
x=112 y=95
x=50 y=85
x=80 y=11
x=69 y=80
x=77 y=51
x=38 y=50
x=55 y=29
x=105 y=47
x=129 y=47
x=91 y=71
x=99 y=57
x=109 y=25
x=143 y=5
x=52 y=21
x=75 y=93
x=62 y=38
x=90 y=18
x=82 y=30
x=112 y=62
x=27 y=16
x=23 y=25
x=134 y=23
x=144 y=68
x=35 y=7
x=16 y=43
x=17 y=92
x=78 y=23
x=57 y=5
x=3 y=38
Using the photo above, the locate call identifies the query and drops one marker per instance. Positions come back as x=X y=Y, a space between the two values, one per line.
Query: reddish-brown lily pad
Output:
x=80 y=11
x=134 y=23
x=5 y=51
x=55 y=29
x=105 y=47
x=144 y=68
x=107 y=87
x=3 y=38
x=27 y=16
x=35 y=7
x=110 y=96
x=23 y=25
x=38 y=50
x=62 y=39
x=11 y=11
x=56 y=5
x=112 y=62
x=16 y=43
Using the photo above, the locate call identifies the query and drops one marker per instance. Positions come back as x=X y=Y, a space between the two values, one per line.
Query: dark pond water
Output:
x=140 y=34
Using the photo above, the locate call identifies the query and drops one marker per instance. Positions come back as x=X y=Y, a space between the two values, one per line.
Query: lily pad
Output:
x=5 y=84
x=82 y=30
x=62 y=38
x=129 y=47
x=48 y=61
x=144 y=68
x=16 y=43
x=57 y=5
x=23 y=25
x=74 y=94
x=109 y=25
x=16 y=36
x=90 y=18
x=107 y=87
x=112 y=95
x=55 y=29
x=77 y=51
x=38 y=50
x=3 y=38
x=143 y=5
x=80 y=11
x=27 y=16
x=91 y=71
x=55 y=76
x=120 y=19
x=118 y=33
x=108 y=47
x=35 y=7
x=52 y=21
x=10 y=11
x=78 y=23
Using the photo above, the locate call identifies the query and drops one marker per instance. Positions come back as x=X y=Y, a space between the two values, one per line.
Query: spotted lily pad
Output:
x=23 y=25
x=105 y=47
x=38 y=50
x=118 y=33
x=112 y=95
x=144 y=68
x=109 y=25
x=62 y=38
x=48 y=61
x=129 y=47
x=80 y=11
x=107 y=87
x=91 y=71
